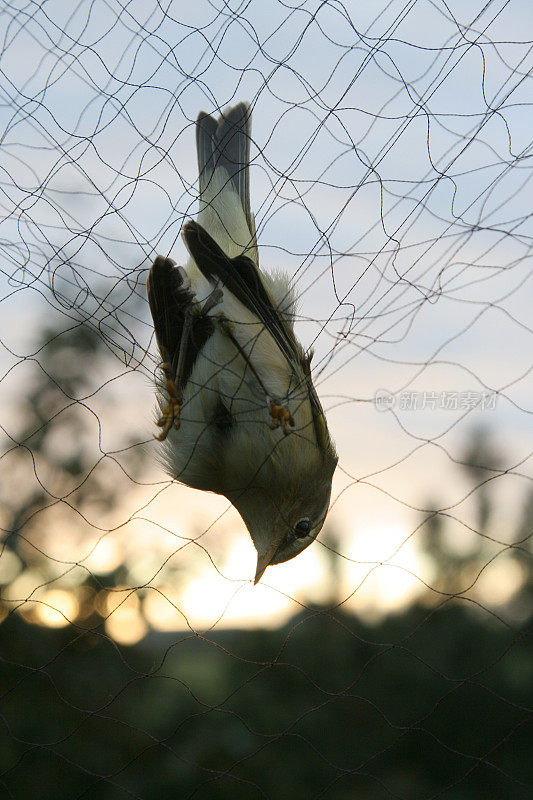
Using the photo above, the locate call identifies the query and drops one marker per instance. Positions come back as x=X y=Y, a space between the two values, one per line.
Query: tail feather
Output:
x=223 y=148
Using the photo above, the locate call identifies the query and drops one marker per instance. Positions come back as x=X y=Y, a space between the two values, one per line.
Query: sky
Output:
x=390 y=177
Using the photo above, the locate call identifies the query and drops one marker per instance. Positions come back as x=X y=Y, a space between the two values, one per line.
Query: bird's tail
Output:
x=223 y=148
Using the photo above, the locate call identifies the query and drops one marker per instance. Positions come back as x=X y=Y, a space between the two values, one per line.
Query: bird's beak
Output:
x=265 y=559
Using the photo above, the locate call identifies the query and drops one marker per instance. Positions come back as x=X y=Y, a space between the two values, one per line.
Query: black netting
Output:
x=391 y=178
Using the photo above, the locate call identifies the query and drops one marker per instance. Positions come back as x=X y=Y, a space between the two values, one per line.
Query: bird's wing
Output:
x=242 y=278
x=170 y=296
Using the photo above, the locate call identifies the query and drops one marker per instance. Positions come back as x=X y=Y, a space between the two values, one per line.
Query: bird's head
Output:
x=284 y=504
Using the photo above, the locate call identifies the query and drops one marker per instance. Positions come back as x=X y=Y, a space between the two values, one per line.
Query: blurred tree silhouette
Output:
x=521 y=605
x=64 y=365
x=56 y=442
x=481 y=461
x=456 y=568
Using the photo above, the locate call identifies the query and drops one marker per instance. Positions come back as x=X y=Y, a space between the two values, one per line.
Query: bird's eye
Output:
x=302 y=528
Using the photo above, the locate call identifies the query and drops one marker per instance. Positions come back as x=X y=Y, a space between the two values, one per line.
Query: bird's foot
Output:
x=228 y=329
x=170 y=416
x=280 y=417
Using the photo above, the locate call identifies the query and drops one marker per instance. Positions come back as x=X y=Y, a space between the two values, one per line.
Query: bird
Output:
x=238 y=411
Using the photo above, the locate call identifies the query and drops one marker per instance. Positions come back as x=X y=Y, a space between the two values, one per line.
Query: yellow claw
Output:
x=170 y=416
x=280 y=417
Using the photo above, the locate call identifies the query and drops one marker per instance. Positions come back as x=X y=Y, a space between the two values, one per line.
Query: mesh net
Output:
x=390 y=178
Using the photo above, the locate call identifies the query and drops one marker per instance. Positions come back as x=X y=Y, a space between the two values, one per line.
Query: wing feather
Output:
x=243 y=279
x=170 y=297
